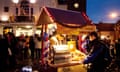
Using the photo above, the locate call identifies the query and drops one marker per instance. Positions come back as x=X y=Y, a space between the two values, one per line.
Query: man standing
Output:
x=3 y=54
x=96 y=54
x=117 y=47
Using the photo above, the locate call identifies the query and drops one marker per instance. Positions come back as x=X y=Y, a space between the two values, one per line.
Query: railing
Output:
x=22 y=19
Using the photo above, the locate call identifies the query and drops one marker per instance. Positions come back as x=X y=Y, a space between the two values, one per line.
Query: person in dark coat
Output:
x=117 y=47
x=3 y=54
x=96 y=55
x=12 y=42
x=32 y=46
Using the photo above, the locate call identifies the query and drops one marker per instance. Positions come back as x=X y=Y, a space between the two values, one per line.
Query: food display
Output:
x=67 y=54
x=78 y=55
x=62 y=54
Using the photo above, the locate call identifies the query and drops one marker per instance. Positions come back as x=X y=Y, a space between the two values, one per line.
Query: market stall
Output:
x=62 y=28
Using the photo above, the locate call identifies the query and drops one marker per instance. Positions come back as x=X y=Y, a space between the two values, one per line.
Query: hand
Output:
x=9 y=52
x=80 y=62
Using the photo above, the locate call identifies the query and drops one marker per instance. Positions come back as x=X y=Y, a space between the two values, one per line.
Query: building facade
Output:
x=117 y=30
x=20 y=16
x=109 y=31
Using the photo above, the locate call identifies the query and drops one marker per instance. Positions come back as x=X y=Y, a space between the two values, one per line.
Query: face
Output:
x=91 y=38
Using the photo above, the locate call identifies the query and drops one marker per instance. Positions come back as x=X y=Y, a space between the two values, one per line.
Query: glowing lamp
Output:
x=72 y=45
x=32 y=1
x=15 y=1
x=28 y=26
x=4 y=18
x=76 y=5
x=102 y=37
x=113 y=15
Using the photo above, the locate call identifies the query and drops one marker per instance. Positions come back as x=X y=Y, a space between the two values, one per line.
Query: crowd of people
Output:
x=14 y=48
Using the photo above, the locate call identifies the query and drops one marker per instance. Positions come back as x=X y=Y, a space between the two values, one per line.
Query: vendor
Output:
x=53 y=39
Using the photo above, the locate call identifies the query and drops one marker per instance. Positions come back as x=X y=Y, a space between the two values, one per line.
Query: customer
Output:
x=38 y=47
x=12 y=42
x=117 y=47
x=96 y=55
x=3 y=54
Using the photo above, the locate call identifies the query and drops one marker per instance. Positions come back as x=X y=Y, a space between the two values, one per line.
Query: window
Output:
x=31 y=11
x=62 y=2
x=6 y=9
x=24 y=7
x=16 y=11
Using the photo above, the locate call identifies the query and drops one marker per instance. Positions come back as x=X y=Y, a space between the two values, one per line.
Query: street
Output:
x=36 y=66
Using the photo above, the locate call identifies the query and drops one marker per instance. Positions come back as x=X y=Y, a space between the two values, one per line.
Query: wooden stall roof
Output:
x=65 y=17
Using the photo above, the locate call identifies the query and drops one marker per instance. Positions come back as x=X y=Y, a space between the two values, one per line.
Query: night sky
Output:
x=99 y=10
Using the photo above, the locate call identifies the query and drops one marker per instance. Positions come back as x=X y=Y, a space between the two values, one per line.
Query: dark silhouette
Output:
x=117 y=47
x=3 y=54
x=12 y=42
x=96 y=55
x=32 y=46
